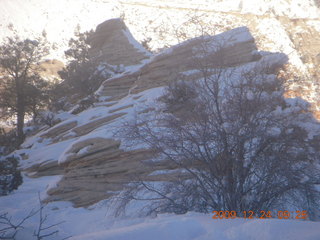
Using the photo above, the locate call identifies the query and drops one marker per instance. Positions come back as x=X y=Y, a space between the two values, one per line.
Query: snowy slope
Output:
x=97 y=224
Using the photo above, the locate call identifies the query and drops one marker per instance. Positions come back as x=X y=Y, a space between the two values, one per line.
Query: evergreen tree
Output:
x=81 y=74
x=21 y=89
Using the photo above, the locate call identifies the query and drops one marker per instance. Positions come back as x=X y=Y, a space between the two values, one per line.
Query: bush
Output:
x=10 y=176
x=8 y=141
x=47 y=118
x=85 y=104
x=241 y=146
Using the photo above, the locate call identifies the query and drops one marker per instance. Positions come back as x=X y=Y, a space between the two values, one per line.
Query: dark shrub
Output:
x=10 y=176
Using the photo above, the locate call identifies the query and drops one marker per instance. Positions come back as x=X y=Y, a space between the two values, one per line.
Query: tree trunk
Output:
x=20 y=121
x=20 y=111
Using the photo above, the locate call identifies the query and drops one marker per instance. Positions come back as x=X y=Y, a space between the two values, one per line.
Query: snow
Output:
x=63 y=116
x=201 y=227
x=161 y=228
x=40 y=153
x=58 y=18
x=274 y=30
x=275 y=131
x=23 y=200
x=95 y=223
x=222 y=40
x=315 y=24
x=41 y=150
x=83 y=150
x=292 y=9
x=236 y=35
x=134 y=42
x=144 y=18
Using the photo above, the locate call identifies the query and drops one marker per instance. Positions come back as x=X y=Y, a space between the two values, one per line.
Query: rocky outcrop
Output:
x=99 y=173
x=87 y=150
x=112 y=42
x=55 y=132
x=234 y=47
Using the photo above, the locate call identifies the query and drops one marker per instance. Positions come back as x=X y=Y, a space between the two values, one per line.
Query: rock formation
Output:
x=86 y=149
x=112 y=42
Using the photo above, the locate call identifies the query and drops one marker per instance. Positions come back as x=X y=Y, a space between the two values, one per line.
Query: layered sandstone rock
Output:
x=112 y=42
x=231 y=48
x=86 y=149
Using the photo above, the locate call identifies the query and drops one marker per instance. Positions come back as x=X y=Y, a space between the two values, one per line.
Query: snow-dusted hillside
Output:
x=147 y=19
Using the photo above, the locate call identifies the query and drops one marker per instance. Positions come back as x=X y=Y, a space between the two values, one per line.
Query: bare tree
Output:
x=238 y=143
x=9 y=228
x=43 y=231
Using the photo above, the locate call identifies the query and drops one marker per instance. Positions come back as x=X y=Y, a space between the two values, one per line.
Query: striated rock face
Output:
x=112 y=42
x=93 y=175
x=235 y=47
x=87 y=150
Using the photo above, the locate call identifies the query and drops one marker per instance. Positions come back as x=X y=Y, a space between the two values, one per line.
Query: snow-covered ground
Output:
x=96 y=223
